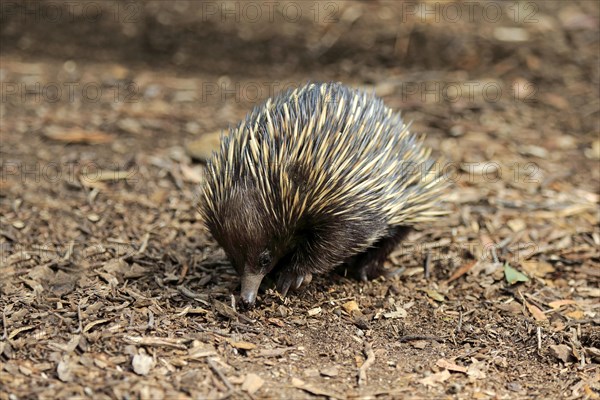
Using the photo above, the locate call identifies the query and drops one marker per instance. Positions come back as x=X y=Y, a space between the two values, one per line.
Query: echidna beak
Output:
x=250 y=285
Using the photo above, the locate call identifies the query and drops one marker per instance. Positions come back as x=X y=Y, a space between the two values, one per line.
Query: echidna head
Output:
x=245 y=229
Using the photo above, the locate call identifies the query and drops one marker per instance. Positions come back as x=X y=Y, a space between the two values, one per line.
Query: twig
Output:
x=5 y=326
x=80 y=324
x=362 y=371
x=144 y=243
x=427 y=266
x=460 y=317
x=410 y=338
x=211 y=331
x=539 y=338
x=193 y=295
x=150 y=320
x=218 y=372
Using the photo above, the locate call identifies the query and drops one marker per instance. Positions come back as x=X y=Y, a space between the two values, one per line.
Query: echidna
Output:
x=316 y=177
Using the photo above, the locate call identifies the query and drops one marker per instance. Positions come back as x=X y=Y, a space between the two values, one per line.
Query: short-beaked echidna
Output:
x=316 y=177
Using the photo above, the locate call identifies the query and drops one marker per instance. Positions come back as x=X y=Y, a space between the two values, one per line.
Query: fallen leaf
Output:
x=559 y=303
x=537 y=268
x=512 y=275
x=475 y=370
x=276 y=322
x=78 y=136
x=461 y=271
x=419 y=344
x=443 y=363
x=577 y=314
x=300 y=384
x=252 y=383
x=434 y=379
x=434 y=295
x=242 y=345
x=536 y=312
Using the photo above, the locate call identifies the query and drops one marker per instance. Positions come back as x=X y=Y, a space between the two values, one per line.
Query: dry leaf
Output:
x=443 y=363
x=434 y=379
x=76 y=135
x=434 y=295
x=559 y=303
x=475 y=370
x=537 y=268
x=577 y=314
x=350 y=306
x=461 y=271
x=536 y=312
x=242 y=345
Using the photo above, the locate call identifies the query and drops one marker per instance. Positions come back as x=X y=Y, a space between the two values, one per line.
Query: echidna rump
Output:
x=316 y=177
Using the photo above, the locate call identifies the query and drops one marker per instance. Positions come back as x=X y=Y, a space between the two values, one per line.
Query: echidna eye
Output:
x=265 y=259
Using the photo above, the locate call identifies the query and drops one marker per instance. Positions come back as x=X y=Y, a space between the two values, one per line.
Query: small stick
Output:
x=539 y=337
x=218 y=372
x=427 y=265
x=5 y=326
x=460 y=317
x=410 y=338
x=144 y=243
x=362 y=371
x=80 y=324
x=150 y=320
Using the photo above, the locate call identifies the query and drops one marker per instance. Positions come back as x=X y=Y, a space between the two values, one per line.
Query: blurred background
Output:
x=109 y=108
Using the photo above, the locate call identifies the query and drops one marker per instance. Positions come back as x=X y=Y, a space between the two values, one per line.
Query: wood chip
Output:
x=314 y=311
x=561 y=351
x=242 y=345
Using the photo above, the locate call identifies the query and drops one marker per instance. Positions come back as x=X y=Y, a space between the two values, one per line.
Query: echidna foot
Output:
x=375 y=270
x=291 y=280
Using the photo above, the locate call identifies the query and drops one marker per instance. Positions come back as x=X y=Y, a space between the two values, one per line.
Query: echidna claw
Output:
x=290 y=280
x=285 y=282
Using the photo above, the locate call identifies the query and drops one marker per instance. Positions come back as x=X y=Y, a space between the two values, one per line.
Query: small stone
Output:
x=514 y=386
x=142 y=364
x=350 y=306
x=19 y=224
x=93 y=217
x=510 y=34
x=330 y=371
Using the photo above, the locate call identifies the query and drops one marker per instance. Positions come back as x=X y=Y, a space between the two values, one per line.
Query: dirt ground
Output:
x=111 y=288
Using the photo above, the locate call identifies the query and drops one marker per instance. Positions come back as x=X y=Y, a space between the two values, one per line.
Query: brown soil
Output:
x=112 y=288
